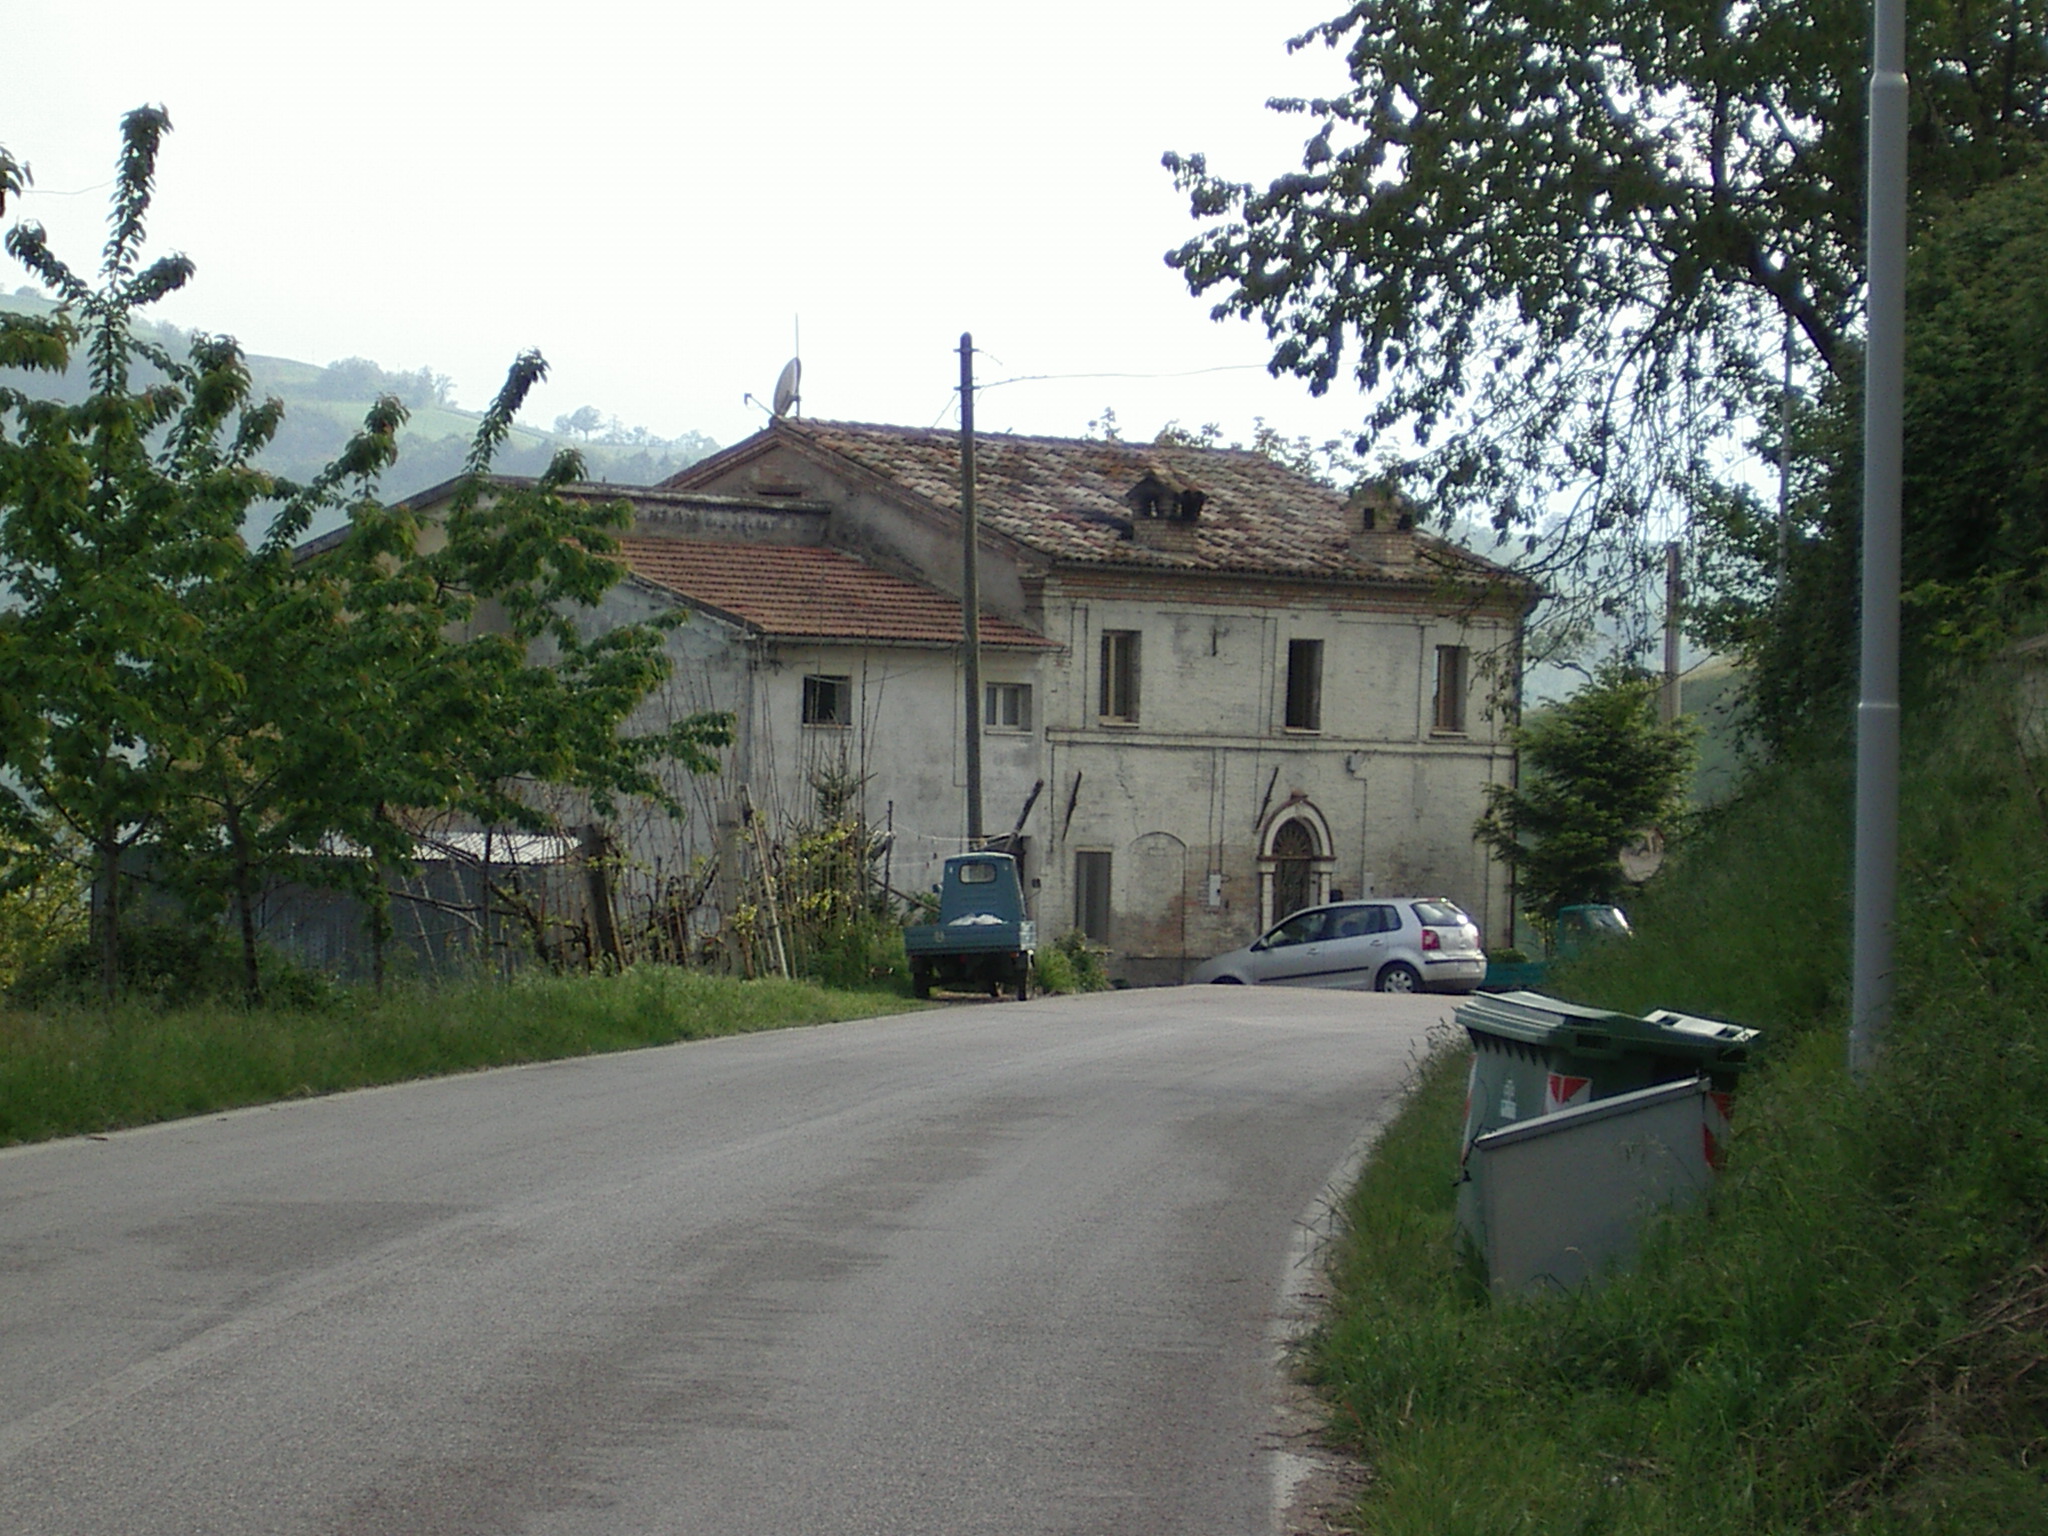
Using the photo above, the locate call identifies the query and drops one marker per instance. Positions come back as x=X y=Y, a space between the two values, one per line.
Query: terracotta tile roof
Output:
x=1064 y=498
x=810 y=592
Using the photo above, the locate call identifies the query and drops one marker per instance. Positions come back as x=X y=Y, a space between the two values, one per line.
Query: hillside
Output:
x=1711 y=694
x=1851 y=1336
x=324 y=404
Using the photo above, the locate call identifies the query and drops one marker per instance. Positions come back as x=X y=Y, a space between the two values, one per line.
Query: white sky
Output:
x=657 y=196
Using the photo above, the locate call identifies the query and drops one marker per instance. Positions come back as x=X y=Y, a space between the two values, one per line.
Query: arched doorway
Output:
x=1294 y=869
x=1295 y=861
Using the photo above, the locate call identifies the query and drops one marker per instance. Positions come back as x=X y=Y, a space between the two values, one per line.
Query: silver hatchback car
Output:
x=1387 y=944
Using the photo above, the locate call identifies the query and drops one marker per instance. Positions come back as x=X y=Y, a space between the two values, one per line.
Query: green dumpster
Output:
x=1534 y=1055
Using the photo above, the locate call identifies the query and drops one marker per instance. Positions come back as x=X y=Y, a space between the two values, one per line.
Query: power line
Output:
x=98 y=186
x=1060 y=378
x=953 y=396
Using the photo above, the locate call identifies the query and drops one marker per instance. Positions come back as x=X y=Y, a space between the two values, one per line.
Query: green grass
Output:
x=66 y=1070
x=1853 y=1335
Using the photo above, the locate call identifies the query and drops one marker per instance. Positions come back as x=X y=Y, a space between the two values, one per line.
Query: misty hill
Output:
x=324 y=405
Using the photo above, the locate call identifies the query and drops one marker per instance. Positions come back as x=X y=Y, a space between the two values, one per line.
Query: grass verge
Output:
x=1852 y=1335
x=68 y=1070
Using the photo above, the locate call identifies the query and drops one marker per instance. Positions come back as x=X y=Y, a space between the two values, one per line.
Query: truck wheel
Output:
x=1024 y=982
x=920 y=981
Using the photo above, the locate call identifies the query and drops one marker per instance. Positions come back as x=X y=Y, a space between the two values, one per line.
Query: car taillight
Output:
x=1431 y=939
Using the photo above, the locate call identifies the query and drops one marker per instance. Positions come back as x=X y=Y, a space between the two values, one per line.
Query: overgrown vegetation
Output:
x=182 y=689
x=166 y=962
x=1597 y=771
x=1070 y=964
x=1974 y=509
x=816 y=903
x=75 y=1069
x=1853 y=1335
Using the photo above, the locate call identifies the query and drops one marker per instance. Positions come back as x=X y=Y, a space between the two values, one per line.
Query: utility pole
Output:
x=1674 y=596
x=1884 y=411
x=970 y=590
x=1784 y=472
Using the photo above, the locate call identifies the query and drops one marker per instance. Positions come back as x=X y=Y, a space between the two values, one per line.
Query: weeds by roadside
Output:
x=66 y=1069
x=1852 y=1336
x=1070 y=964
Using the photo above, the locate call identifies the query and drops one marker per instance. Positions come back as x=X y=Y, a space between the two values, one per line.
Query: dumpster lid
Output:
x=1534 y=1019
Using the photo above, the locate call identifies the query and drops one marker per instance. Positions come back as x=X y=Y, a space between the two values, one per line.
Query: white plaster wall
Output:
x=906 y=740
x=1211 y=762
x=1181 y=797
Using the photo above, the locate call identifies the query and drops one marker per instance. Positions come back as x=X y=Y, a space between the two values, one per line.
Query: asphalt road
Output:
x=1001 y=1268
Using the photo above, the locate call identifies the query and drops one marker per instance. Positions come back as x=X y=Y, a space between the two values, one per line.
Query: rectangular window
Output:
x=1450 y=689
x=1006 y=706
x=1091 y=896
x=828 y=701
x=1120 y=675
x=1304 y=685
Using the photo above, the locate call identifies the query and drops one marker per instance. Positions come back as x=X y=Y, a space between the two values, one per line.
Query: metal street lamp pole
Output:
x=1877 y=713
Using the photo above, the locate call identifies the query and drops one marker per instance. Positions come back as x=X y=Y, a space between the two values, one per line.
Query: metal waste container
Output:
x=1534 y=1055
x=1563 y=1198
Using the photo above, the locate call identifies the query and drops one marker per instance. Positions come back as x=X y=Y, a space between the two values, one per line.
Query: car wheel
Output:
x=1226 y=981
x=920 y=981
x=1399 y=978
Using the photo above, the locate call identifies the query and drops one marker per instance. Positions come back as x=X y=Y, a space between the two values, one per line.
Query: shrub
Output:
x=170 y=964
x=1070 y=964
x=39 y=917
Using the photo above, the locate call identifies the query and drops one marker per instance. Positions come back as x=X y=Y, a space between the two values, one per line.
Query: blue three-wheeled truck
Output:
x=982 y=940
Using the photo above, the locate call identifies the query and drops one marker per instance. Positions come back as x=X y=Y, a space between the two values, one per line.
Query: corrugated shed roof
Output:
x=811 y=592
x=1064 y=498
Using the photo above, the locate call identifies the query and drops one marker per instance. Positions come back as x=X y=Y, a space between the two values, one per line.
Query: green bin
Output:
x=1534 y=1055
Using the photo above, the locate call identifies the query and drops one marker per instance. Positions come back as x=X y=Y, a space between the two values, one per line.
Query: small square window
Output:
x=828 y=701
x=1006 y=706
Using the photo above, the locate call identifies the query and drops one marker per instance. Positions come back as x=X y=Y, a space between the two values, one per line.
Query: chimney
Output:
x=1163 y=511
x=1382 y=523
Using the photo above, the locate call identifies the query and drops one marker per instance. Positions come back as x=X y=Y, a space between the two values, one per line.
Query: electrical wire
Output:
x=33 y=191
x=953 y=396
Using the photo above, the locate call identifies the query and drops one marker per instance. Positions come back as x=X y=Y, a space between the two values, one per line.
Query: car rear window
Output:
x=1438 y=914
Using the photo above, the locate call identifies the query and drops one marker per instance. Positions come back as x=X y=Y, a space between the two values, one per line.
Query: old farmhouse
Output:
x=1212 y=690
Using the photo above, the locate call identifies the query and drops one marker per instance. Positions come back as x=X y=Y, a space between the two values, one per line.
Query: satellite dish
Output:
x=786 y=392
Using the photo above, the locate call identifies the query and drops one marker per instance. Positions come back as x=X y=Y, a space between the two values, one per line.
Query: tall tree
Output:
x=1597 y=771
x=1975 y=492
x=107 y=519
x=172 y=672
x=1560 y=242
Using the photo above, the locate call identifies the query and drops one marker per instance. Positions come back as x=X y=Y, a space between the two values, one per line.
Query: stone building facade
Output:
x=1212 y=690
